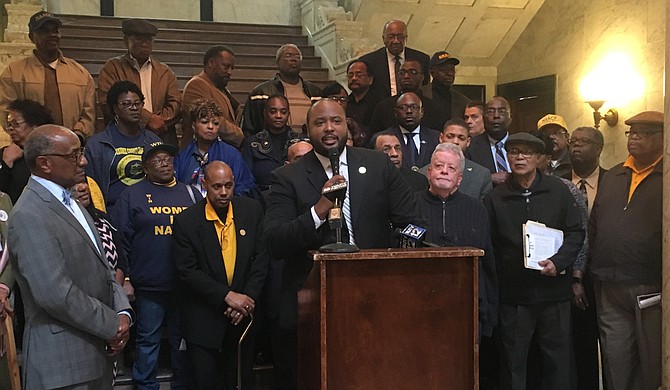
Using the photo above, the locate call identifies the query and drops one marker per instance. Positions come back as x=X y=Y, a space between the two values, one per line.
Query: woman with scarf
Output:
x=206 y=146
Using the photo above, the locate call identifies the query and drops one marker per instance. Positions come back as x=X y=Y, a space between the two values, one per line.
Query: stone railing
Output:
x=336 y=36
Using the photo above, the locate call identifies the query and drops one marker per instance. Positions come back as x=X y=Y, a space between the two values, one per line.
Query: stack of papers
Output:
x=539 y=243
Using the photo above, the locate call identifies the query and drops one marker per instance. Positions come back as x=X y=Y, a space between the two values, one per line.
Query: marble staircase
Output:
x=92 y=40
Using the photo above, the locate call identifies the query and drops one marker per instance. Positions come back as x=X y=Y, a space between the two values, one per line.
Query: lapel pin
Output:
x=362 y=170
x=243 y=232
x=3 y=216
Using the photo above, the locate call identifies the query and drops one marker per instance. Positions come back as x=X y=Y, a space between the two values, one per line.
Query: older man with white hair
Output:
x=300 y=93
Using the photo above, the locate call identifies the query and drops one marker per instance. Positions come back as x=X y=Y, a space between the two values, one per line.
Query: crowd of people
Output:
x=133 y=228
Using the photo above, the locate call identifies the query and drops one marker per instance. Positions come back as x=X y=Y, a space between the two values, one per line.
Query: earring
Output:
x=116 y=119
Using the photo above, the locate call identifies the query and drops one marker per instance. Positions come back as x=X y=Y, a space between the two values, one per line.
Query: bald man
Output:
x=220 y=255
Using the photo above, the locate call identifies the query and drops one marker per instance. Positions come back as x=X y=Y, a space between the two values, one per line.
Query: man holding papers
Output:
x=625 y=234
x=533 y=302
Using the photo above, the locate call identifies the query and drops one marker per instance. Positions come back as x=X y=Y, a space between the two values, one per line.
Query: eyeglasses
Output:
x=14 y=124
x=290 y=56
x=408 y=107
x=581 y=141
x=494 y=110
x=641 y=133
x=340 y=99
x=126 y=104
x=404 y=72
x=392 y=37
x=515 y=152
x=73 y=157
x=554 y=132
x=157 y=162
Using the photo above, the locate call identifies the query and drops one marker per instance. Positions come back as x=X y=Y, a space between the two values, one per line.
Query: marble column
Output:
x=666 y=216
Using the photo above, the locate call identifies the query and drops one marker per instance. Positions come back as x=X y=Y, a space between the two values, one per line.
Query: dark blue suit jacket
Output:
x=381 y=86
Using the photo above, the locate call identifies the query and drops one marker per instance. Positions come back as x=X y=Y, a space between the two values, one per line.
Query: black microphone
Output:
x=334 y=157
x=412 y=236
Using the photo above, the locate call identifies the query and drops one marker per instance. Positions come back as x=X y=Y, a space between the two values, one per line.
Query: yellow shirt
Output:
x=227 y=237
x=638 y=174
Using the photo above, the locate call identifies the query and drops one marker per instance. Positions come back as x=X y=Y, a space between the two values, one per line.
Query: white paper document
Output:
x=539 y=243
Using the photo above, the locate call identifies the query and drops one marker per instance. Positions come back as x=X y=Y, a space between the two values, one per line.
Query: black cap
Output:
x=524 y=138
x=138 y=27
x=442 y=57
x=38 y=20
x=158 y=147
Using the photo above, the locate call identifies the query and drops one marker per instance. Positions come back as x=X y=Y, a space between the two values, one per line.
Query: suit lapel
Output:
x=59 y=209
x=315 y=173
x=210 y=241
x=242 y=224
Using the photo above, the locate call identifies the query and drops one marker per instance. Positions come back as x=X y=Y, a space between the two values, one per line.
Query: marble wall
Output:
x=569 y=38
x=284 y=12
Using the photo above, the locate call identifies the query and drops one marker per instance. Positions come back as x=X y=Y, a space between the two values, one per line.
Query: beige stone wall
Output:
x=569 y=38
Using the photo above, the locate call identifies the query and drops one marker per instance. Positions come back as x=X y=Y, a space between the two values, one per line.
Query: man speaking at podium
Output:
x=376 y=200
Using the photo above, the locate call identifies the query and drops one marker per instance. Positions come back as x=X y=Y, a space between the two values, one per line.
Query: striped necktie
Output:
x=582 y=188
x=501 y=164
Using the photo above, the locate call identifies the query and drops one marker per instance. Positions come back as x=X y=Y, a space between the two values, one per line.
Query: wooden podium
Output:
x=390 y=319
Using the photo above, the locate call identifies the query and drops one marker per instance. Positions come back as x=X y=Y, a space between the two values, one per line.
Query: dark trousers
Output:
x=550 y=323
x=216 y=368
x=285 y=350
x=585 y=342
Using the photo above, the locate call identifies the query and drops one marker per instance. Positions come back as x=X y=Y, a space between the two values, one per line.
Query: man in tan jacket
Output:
x=210 y=84
x=162 y=99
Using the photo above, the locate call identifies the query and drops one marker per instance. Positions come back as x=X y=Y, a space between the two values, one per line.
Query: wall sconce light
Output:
x=611 y=117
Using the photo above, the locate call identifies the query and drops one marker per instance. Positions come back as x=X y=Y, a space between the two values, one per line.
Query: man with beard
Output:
x=443 y=71
x=362 y=101
x=376 y=200
x=59 y=83
x=300 y=93
x=162 y=99
x=387 y=61
x=418 y=142
x=220 y=254
x=210 y=84
x=488 y=149
x=411 y=76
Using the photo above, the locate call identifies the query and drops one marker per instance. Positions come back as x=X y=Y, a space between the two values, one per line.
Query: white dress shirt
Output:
x=492 y=145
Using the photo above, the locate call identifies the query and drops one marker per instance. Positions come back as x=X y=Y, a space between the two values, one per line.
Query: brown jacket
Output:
x=201 y=87
x=165 y=96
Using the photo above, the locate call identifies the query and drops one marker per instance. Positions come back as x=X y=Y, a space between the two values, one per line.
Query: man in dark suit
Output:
x=418 y=142
x=411 y=77
x=220 y=254
x=586 y=145
x=443 y=71
x=377 y=199
x=76 y=313
x=386 y=61
x=488 y=149
x=388 y=143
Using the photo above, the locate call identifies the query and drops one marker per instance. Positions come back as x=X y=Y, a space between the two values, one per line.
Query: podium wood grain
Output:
x=390 y=319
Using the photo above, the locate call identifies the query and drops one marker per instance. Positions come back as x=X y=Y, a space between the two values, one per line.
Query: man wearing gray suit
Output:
x=76 y=314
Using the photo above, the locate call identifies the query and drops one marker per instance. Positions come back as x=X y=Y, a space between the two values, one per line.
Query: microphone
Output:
x=412 y=236
x=334 y=157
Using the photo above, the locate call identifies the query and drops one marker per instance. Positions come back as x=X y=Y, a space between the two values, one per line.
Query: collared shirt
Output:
x=227 y=238
x=638 y=174
x=492 y=145
x=416 y=137
x=591 y=182
x=57 y=191
x=391 y=63
x=346 y=206
x=145 y=80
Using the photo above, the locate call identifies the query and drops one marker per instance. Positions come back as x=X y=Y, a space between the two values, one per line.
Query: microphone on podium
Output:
x=412 y=236
x=335 y=217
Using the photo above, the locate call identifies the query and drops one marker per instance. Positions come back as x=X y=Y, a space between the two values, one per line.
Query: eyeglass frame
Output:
x=73 y=157
x=129 y=105
x=583 y=141
x=156 y=162
x=14 y=124
x=641 y=133
x=516 y=152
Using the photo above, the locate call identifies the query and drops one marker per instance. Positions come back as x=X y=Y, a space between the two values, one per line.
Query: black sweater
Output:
x=463 y=221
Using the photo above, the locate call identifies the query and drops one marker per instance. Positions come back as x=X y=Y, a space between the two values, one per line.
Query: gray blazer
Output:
x=71 y=299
